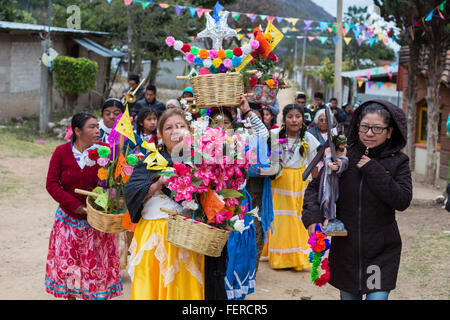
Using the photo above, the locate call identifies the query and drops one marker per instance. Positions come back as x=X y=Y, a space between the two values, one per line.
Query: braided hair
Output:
x=303 y=129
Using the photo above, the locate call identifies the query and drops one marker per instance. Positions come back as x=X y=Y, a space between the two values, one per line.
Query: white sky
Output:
x=331 y=5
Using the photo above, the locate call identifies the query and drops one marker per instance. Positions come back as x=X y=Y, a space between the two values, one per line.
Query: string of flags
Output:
x=432 y=14
x=388 y=69
x=350 y=32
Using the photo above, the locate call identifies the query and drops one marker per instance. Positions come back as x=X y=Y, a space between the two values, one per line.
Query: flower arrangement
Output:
x=319 y=245
x=113 y=174
x=209 y=182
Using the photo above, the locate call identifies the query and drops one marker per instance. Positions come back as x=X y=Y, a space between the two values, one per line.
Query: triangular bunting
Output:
x=262 y=17
x=360 y=83
x=292 y=21
x=271 y=19
x=323 y=39
x=359 y=40
x=379 y=83
x=280 y=19
x=347 y=40
x=311 y=38
x=335 y=40
x=164 y=5
x=200 y=12
x=193 y=11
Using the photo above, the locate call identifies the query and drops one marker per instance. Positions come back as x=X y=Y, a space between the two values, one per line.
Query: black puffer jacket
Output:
x=368 y=198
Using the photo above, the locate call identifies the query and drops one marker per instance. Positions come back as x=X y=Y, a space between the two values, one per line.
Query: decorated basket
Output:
x=262 y=94
x=194 y=235
x=107 y=223
x=221 y=89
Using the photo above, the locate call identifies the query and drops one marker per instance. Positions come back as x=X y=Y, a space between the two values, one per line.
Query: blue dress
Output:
x=240 y=275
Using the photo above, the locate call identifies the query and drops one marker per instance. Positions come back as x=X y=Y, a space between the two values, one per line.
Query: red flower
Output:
x=273 y=57
x=252 y=82
x=254 y=54
x=103 y=144
x=237 y=52
x=186 y=48
x=93 y=154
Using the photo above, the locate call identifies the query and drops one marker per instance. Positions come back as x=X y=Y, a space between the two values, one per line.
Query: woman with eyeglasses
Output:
x=376 y=183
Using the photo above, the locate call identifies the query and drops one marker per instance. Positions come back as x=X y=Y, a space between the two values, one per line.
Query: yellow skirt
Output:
x=287 y=246
x=160 y=270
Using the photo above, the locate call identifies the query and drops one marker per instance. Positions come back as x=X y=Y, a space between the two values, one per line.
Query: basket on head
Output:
x=263 y=94
x=107 y=223
x=218 y=90
x=196 y=236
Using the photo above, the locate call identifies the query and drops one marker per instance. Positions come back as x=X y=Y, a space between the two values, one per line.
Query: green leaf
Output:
x=230 y=193
x=167 y=173
x=196 y=181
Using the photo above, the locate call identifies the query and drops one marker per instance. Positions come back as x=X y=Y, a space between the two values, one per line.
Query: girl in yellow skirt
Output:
x=287 y=245
x=158 y=269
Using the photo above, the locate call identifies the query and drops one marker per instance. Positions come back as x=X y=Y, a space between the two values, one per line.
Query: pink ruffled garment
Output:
x=82 y=262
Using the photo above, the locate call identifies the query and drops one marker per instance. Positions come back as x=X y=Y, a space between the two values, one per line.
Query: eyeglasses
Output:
x=363 y=128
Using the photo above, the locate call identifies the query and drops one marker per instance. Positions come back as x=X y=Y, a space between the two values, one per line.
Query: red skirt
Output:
x=82 y=262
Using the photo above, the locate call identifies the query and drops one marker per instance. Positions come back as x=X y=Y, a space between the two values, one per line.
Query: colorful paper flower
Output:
x=204 y=71
x=229 y=54
x=170 y=41
x=195 y=51
x=190 y=58
x=93 y=154
x=178 y=45
x=221 y=54
x=102 y=174
x=237 y=52
x=104 y=151
x=198 y=61
x=216 y=63
x=254 y=44
x=102 y=162
x=212 y=54
x=227 y=63
x=186 y=48
x=207 y=63
x=252 y=81
x=132 y=160
x=203 y=53
x=236 y=61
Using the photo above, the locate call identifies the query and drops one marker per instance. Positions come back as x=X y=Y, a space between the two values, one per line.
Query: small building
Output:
x=419 y=117
x=20 y=65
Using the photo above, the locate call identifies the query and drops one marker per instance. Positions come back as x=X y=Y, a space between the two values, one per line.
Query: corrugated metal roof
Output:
x=99 y=49
x=37 y=27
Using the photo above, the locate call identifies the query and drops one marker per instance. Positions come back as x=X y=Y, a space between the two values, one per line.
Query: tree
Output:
x=9 y=12
x=378 y=51
x=431 y=37
x=326 y=71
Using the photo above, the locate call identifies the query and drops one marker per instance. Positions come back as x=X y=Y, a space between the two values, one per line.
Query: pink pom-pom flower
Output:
x=190 y=58
x=170 y=41
x=204 y=71
x=227 y=63
x=212 y=54
x=254 y=44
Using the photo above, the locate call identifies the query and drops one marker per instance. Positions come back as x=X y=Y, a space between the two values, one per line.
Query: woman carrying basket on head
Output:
x=82 y=262
x=158 y=269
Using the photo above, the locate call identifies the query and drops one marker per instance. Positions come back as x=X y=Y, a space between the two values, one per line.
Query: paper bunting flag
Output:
x=388 y=84
x=356 y=33
x=178 y=9
x=323 y=25
x=369 y=83
x=371 y=41
x=359 y=40
x=124 y=126
x=362 y=28
x=200 y=12
x=344 y=31
x=368 y=75
x=145 y=4
x=193 y=11
x=377 y=71
x=164 y=5
x=323 y=39
x=390 y=75
x=127 y=2
x=311 y=38
x=236 y=15
x=379 y=83
x=385 y=40
x=294 y=29
x=280 y=19
x=385 y=67
x=360 y=83
x=347 y=40
x=262 y=17
x=307 y=24
x=252 y=16
x=429 y=16
x=271 y=19
x=335 y=40
x=299 y=37
x=292 y=21
x=217 y=10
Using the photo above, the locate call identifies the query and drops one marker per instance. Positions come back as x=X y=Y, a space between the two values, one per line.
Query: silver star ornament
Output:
x=217 y=31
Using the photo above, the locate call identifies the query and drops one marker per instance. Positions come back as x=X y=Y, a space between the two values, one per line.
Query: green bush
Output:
x=74 y=75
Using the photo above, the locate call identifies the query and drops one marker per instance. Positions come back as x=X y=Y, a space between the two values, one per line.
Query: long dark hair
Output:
x=144 y=113
x=303 y=129
x=78 y=121
x=274 y=116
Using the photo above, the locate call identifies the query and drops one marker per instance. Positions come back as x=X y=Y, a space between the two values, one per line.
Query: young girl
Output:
x=270 y=118
x=146 y=128
x=288 y=243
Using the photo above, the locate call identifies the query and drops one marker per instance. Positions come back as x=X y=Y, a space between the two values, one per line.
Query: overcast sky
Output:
x=331 y=5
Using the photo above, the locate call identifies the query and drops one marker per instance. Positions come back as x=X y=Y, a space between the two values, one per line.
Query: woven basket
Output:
x=107 y=223
x=196 y=236
x=218 y=90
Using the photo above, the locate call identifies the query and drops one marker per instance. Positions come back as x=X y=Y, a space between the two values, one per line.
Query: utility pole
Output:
x=338 y=57
x=46 y=78
x=302 y=71
x=295 y=61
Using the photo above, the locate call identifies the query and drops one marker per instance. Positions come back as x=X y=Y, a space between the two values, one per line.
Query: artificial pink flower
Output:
x=183 y=187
